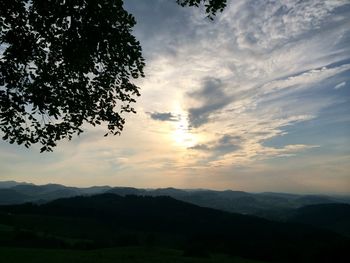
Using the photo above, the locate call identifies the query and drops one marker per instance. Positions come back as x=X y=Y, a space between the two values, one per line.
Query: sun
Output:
x=182 y=134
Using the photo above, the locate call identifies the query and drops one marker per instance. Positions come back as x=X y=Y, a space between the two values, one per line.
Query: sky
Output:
x=256 y=100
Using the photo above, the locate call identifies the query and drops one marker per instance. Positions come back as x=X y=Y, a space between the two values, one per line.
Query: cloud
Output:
x=211 y=97
x=163 y=116
x=268 y=69
x=227 y=144
x=306 y=78
x=340 y=85
x=200 y=147
x=224 y=145
x=263 y=26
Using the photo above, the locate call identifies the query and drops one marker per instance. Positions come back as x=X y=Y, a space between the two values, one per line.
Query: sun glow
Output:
x=182 y=134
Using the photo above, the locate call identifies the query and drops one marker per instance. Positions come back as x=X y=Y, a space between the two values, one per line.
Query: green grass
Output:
x=115 y=255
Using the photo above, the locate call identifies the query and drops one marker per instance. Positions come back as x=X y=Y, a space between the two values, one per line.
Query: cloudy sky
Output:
x=256 y=100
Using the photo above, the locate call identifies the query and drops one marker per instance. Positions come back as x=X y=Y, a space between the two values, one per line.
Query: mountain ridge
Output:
x=227 y=200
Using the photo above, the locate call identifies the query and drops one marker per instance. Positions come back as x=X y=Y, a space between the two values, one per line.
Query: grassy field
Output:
x=120 y=255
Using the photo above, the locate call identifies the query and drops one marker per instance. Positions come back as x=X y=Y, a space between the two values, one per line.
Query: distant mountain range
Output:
x=261 y=204
x=108 y=220
x=12 y=192
x=324 y=211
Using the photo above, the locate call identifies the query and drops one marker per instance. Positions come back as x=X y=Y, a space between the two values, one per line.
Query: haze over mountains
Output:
x=262 y=204
x=325 y=211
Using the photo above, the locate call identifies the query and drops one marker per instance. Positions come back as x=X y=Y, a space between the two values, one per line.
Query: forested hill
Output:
x=102 y=219
x=335 y=217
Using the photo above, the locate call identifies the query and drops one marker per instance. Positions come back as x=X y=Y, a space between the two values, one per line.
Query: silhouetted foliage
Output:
x=64 y=63
x=211 y=6
x=67 y=62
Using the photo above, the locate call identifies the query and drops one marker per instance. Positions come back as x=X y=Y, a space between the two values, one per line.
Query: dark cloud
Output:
x=163 y=116
x=260 y=133
x=226 y=144
x=212 y=98
x=200 y=147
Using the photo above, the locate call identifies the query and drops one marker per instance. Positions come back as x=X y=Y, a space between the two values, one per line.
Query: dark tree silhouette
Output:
x=211 y=6
x=64 y=63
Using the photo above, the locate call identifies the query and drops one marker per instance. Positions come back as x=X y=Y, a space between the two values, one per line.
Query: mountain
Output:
x=246 y=203
x=45 y=192
x=335 y=217
x=237 y=201
x=108 y=220
x=268 y=205
x=126 y=191
x=9 y=184
x=94 y=190
x=10 y=196
x=13 y=192
x=313 y=200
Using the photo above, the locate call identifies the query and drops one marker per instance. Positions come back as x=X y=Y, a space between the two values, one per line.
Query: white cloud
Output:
x=261 y=53
x=340 y=85
x=305 y=79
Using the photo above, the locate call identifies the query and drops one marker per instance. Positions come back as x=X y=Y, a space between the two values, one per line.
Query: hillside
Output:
x=111 y=220
x=335 y=217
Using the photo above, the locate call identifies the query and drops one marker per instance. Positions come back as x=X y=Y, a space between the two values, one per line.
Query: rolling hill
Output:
x=111 y=220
